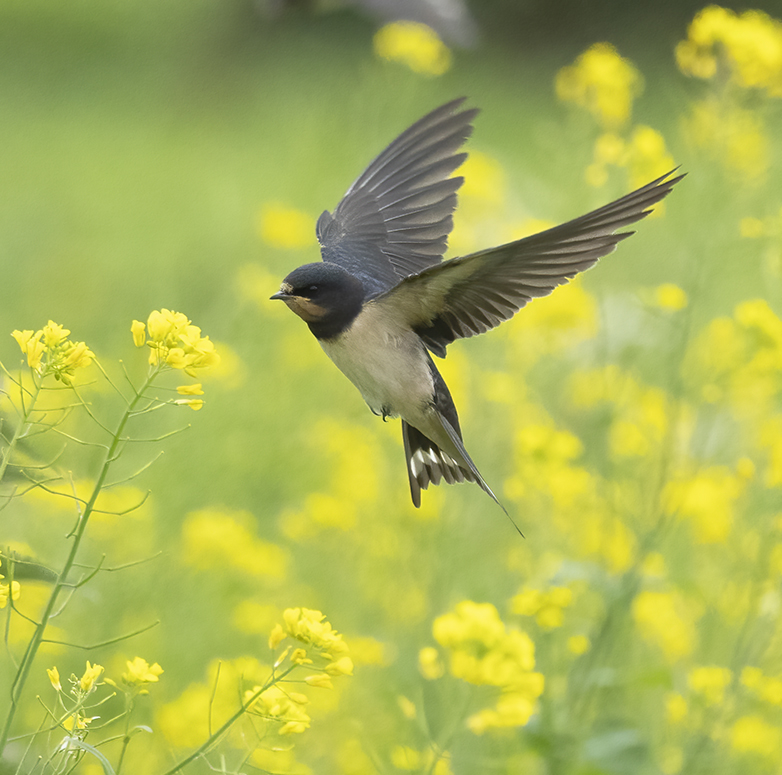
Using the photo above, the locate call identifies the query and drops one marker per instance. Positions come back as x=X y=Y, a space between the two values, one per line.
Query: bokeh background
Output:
x=176 y=155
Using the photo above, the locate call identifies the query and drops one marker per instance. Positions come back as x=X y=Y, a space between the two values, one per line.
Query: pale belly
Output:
x=389 y=366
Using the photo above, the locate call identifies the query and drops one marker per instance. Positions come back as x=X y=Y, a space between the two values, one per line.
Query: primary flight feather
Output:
x=382 y=298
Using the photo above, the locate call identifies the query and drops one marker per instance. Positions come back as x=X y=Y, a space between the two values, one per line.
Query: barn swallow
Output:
x=382 y=300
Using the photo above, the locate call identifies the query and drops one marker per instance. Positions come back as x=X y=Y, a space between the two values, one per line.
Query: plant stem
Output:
x=207 y=744
x=23 y=671
x=21 y=429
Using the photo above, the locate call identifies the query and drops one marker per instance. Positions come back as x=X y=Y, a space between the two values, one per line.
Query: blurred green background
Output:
x=142 y=142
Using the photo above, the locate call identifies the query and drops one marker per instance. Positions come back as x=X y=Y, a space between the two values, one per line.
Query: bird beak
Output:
x=280 y=295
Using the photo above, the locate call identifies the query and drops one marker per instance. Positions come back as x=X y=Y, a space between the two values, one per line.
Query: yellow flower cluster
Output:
x=755 y=736
x=484 y=652
x=746 y=47
x=709 y=683
x=731 y=134
x=322 y=641
x=707 y=499
x=173 y=341
x=666 y=620
x=140 y=672
x=738 y=359
x=325 y=653
x=283 y=706
x=415 y=45
x=12 y=590
x=49 y=351
x=215 y=539
x=603 y=82
x=766 y=687
x=547 y=606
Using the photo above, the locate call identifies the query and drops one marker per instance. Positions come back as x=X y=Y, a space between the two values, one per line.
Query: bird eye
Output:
x=313 y=287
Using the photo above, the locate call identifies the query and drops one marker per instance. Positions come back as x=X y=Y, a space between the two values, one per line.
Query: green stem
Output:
x=23 y=671
x=21 y=429
x=209 y=742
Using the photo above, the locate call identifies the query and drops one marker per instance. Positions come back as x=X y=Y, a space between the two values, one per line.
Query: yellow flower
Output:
x=15 y=592
x=285 y=227
x=341 y=666
x=708 y=500
x=278 y=636
x=753 y=734
x=190 y=390
x=175 y=342
x=54 y=334
x=54 y=677
x=578 y=644
x=91 y=675
x=663 y=618
x=31 y=345
x=319 y=680
x=309 y=626
x=733 y=136
x=670 y=297
x=298 y=656
x=63 y=357
x=141 y=672
x=414 y=45
x=227 y=539
x=139 y=332
x=194 y=403
x=710 y=683
x=287 y=708
x=675 y=708
x=602 y=82
x=767 y=688
x=547 y=607
x=429 y=663
x=748 y=45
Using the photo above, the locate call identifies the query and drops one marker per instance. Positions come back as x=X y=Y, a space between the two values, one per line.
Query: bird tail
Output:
x=427 y=463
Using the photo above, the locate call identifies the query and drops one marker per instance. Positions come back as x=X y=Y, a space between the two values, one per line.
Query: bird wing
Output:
x=395 y=219
x=471 y=294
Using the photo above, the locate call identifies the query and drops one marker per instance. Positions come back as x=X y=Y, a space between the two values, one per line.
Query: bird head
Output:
x=322 y=294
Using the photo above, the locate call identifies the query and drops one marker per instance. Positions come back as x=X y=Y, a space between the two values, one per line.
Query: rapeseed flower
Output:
x=49 y=351
x=284 y=707
x=482 y=651
x=746 y=47
x=174 y=342
x=12 y=590
x=415 y=45
x=766 y=687
x=666 y=620
x=754 y=735
x=603 y=82
x=54 y=678
x=547 y=606
x=710 y=683
x=285 y=227
x=324 y=648
x=218 y=539
x=139 y=672
x=90 y=677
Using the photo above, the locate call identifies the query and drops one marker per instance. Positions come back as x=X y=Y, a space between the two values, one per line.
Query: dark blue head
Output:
x=325 y=296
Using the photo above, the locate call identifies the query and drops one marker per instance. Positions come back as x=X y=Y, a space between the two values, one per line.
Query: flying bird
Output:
x=382 y=300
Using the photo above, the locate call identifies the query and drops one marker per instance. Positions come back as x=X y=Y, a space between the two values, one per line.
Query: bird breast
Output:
x=387 y=362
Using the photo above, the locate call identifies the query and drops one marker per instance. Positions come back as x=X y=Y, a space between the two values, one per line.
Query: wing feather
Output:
x=395 y=219
x=469 y=295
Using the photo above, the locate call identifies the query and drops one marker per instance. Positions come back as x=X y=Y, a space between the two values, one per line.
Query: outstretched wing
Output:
x=469 y=295
x=395 y=219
